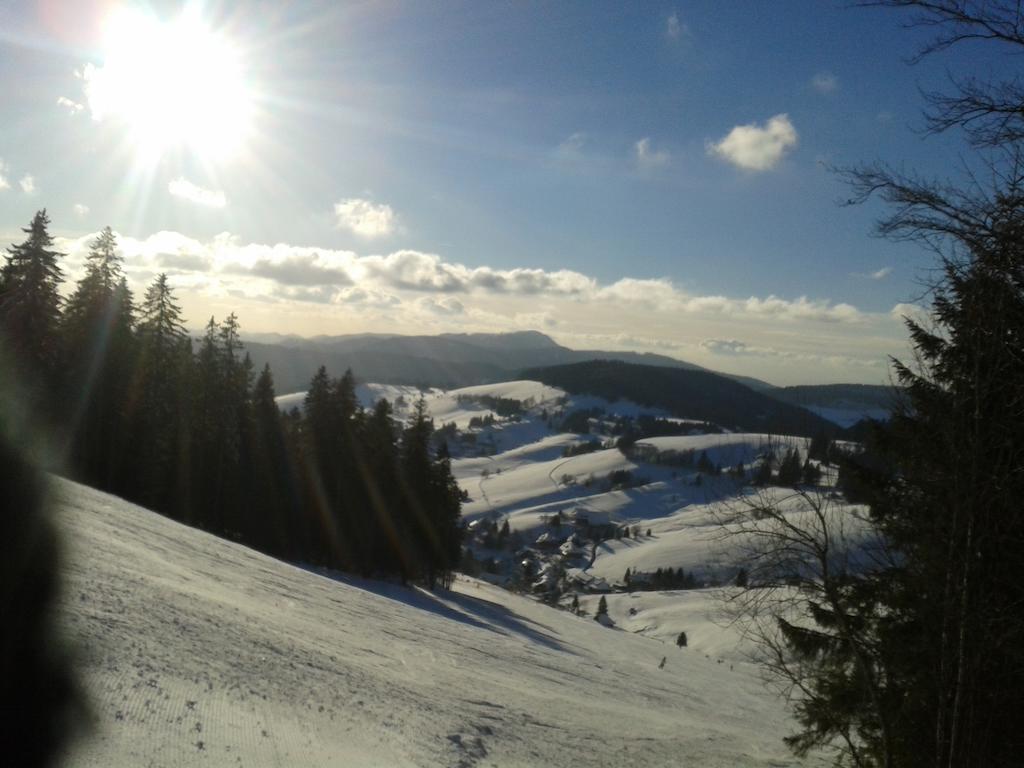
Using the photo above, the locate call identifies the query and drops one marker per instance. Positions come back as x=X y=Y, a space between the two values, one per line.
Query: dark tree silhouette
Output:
x=99 y=357
x=30 y=312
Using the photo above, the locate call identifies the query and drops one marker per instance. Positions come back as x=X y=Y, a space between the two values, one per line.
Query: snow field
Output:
x=199 y=651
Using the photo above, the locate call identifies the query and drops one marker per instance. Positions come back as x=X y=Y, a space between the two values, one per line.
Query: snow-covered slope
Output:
x=367 y=394
x=197 y=651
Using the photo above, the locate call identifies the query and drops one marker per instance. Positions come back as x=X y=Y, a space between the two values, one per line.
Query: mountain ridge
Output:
x=446 y=360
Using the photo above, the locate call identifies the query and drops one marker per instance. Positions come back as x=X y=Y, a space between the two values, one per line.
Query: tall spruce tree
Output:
x=920 y=662
x=30 y=311
x=160 y=419
x=415 y=480
x=383 y=527
x=950 y=504
x=99 y=356
x=221 y=391
x=446 y=518
x=266 y=492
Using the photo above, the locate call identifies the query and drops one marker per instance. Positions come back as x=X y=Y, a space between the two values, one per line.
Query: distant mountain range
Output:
x=866 y=396
x=447 y=360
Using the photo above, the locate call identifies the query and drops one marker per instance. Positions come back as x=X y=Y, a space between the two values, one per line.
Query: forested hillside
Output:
x=688 y=394
x=128 y=403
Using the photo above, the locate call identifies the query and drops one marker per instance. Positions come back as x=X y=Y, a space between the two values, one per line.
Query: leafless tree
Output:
x=808 y=557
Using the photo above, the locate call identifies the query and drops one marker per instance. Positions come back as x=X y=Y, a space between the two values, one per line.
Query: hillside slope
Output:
x=690 y=394
x=198 y=651
x=842 y=404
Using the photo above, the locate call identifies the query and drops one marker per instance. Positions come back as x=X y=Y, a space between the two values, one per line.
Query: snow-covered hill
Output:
x=198 y=651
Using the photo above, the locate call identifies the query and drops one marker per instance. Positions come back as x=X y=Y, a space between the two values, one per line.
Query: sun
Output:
x=173 y=85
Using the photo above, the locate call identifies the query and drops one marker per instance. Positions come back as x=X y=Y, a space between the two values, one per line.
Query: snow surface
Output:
x=366 y=394
x=709 y=628
x=540 y=394
x=199 y=651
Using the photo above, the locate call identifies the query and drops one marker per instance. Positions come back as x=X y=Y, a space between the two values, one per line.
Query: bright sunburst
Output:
x=174 y=84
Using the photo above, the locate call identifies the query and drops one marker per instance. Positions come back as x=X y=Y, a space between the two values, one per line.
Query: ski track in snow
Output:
x=199 y=651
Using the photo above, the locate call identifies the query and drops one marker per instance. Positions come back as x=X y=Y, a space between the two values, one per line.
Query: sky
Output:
x=646 y=176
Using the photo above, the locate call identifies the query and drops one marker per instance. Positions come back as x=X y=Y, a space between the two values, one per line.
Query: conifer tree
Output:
x=99 y=357
x=161 y=417
x=384 y=528
x=790 y=469
x=704 y=464
x=763 y=473
x=30 y=311
x=266 y=514
x=431 y=502
x=221 y=383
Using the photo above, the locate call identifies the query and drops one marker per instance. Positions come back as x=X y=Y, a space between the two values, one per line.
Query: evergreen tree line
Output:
x=662 y=578
x=190 y=430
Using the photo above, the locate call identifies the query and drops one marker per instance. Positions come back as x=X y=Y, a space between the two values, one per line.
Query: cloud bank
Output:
x=306 y=290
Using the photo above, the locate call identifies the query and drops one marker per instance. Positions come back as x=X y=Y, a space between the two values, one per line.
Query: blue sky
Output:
x=646 y=176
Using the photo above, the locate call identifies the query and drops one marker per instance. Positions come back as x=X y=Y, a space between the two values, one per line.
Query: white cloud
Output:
x=654 y=293
x=802 y=308
x=80 y=209
x=674 y=28
x=71 y=106
x=366 y=298
x=316 y=294
x=417 y=271
x=756 y=148
x=303 y=268
x=444 y=305
x=534 y=320
x=572 y=147
x=914 y=312
x=27 y=184
x=725 y=347
x=4 y=183
x=735 y=348
x=648 y=158
x=186 y=190
x=878 y=274
x=529 y=282
x=365 y=218
x=824 y=82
